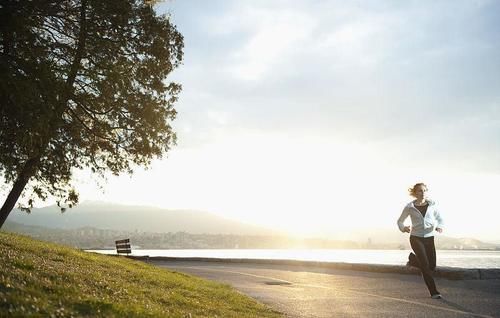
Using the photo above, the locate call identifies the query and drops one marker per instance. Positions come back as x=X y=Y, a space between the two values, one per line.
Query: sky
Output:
x=314 y=117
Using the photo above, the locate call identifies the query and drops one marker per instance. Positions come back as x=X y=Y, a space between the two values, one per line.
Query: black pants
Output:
x=426 y=255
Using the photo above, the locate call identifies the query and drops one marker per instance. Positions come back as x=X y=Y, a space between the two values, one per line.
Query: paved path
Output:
x=299 y=291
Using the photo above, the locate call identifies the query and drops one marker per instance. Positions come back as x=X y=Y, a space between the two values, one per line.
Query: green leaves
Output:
x=83 y=85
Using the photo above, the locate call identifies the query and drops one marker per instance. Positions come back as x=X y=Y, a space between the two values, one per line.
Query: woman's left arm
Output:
x=439 y=219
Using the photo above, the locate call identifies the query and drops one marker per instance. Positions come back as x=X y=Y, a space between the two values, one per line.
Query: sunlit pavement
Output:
x=299 y=291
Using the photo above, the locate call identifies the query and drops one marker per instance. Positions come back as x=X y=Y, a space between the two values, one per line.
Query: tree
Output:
x=82 y=85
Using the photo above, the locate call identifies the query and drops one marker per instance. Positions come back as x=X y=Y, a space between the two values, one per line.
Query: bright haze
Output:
x=314 y=117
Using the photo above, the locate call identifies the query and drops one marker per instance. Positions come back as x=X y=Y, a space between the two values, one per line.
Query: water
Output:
x=451 y=258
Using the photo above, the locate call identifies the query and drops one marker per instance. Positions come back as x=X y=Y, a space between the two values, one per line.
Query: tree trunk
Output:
x=17 y=189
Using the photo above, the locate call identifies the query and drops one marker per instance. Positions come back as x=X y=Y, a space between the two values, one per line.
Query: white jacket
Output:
x=421 y=226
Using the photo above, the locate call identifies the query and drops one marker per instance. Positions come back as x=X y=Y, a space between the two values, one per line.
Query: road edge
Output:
x=452 y=273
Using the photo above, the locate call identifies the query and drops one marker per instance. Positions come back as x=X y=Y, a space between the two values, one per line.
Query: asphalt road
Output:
x=299 y=291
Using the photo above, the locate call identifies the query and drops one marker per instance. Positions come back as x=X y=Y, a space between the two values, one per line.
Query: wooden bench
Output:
x=123 y=246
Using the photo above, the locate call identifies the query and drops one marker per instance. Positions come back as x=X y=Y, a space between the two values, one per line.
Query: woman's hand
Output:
x=407 y=229
x=439 y=230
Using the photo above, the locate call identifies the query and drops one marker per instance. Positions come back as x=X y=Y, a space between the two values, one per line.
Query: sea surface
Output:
x=451 y=258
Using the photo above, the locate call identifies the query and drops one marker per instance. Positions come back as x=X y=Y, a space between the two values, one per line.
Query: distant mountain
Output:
x=386 y=238
x=95 y=217
x=465 y=243
x=134 y=218
x=93 y=238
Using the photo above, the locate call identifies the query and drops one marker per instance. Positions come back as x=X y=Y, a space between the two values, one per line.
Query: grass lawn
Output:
x=39 y=279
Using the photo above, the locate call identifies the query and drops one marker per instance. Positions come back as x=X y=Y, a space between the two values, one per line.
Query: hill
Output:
x=97 y=224
x=386 y=238
x=46 y=280
x=133 y=218
x=93 y=238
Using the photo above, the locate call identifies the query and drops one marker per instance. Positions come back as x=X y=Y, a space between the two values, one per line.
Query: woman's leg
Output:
x=430 y=250
x=418 y=246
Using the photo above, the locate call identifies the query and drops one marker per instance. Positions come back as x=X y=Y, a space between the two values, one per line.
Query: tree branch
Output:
x=79 y=50
x=89 y=111
x=74 y=115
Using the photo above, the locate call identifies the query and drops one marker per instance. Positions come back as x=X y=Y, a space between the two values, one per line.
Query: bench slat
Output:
x=123 y=246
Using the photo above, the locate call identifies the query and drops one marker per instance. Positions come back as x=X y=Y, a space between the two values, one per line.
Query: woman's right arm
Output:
x=402 y=219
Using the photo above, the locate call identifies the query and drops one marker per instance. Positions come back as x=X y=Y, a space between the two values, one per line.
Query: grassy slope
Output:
x=41 y=279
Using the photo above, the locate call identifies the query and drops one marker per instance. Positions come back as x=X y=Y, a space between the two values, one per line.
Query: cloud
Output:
x=381 y=72
x=272 y=36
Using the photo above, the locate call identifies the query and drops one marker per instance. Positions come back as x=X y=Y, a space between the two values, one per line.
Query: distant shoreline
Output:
x=448 y=258
x=296 y=248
